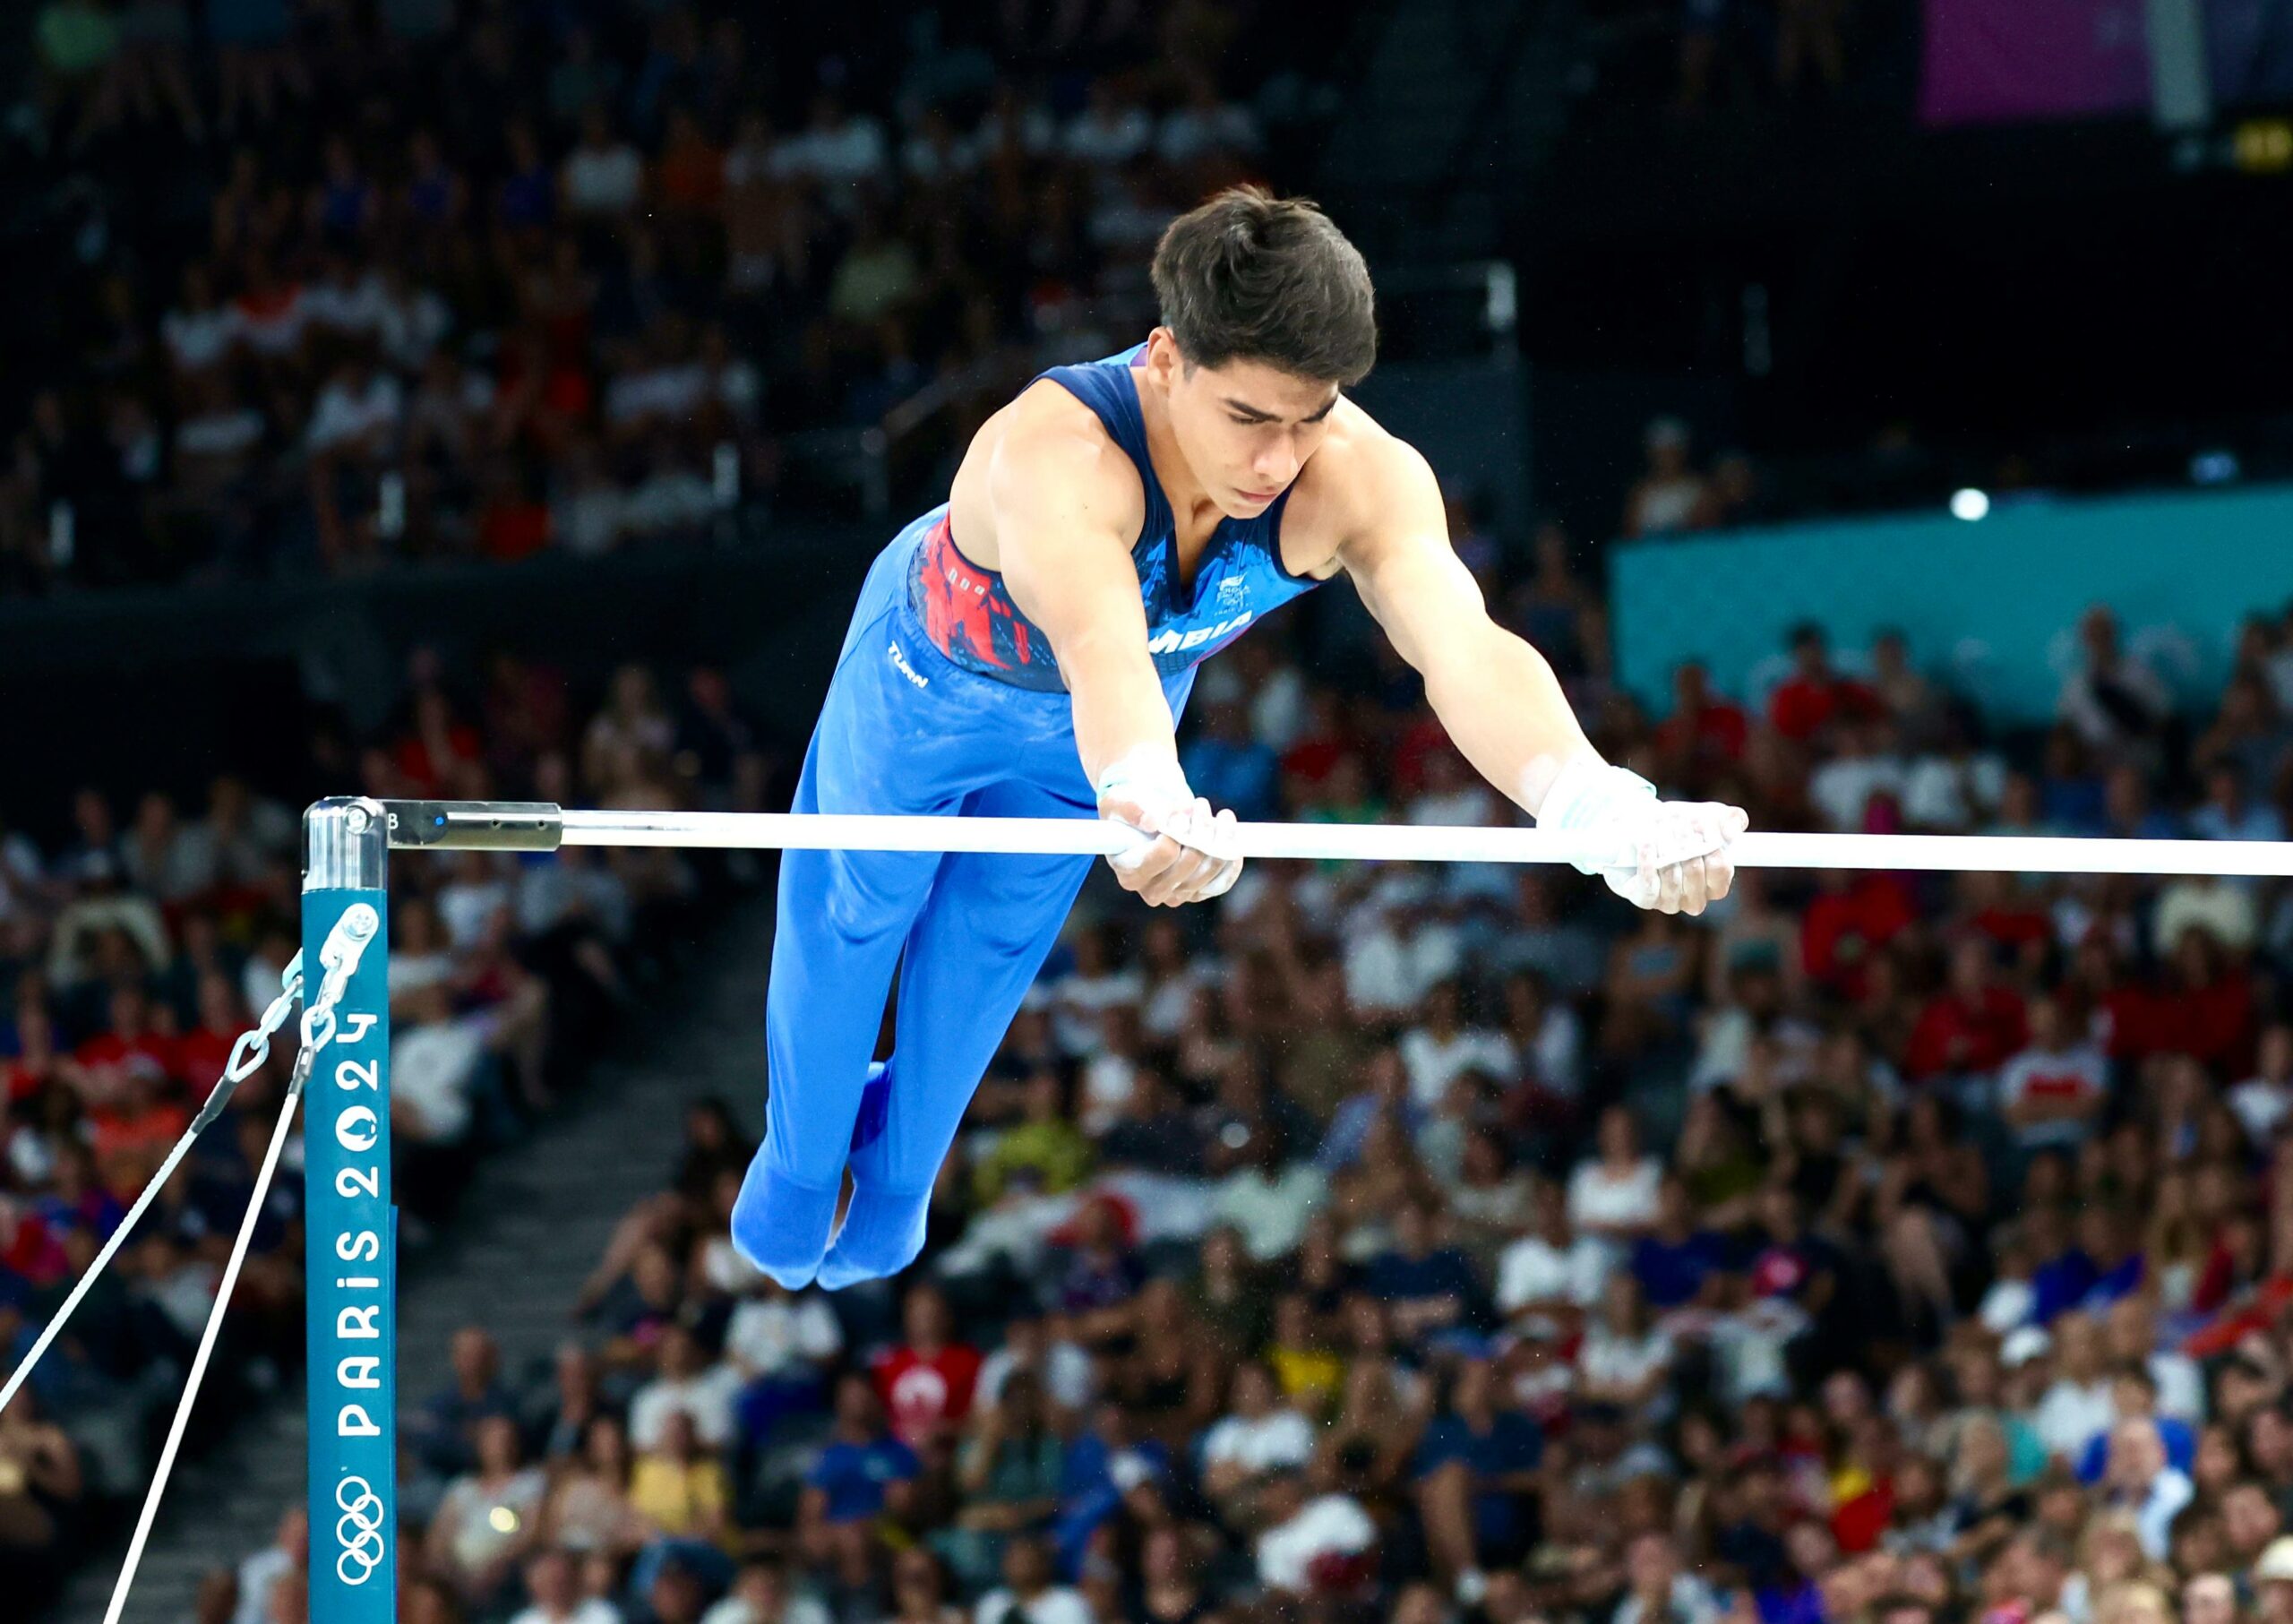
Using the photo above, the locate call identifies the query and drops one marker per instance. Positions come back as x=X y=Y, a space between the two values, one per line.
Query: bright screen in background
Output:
x=2016 y=61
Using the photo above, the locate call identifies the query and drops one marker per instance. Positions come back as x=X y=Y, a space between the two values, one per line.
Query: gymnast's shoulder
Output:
x=1362 y=483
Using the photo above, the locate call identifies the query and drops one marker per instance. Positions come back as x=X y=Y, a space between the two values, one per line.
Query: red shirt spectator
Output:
x=133 y=1050
x=1703 y=728
x=1804 y=703
x=1854 y=917
x=29 y=1249
x=1803 y=707
x=438 y=744
x=512 y=526
x=926 y=1383
x=141 y=1123
x=1974 y=1024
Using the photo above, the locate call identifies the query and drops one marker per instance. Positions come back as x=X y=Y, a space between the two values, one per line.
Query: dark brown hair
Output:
x=1253 y=277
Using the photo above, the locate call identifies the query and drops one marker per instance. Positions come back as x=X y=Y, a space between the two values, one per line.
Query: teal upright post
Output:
x=351 y=1235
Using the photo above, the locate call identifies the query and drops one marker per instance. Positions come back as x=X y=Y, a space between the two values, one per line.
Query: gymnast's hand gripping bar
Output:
x=542 y=825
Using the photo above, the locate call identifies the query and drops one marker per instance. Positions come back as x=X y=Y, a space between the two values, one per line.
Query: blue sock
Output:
x=782 y=1226
x=882 y=1231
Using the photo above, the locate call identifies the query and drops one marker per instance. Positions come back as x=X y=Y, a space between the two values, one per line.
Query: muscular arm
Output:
x=1064 y=513
x=1496 y=696
x=1500 y=702
x=1065 y=561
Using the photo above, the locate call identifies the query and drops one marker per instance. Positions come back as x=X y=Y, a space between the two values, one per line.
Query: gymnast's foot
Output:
x=782 y=1226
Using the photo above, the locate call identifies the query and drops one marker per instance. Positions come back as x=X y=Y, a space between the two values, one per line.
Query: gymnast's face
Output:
x=1245 y=428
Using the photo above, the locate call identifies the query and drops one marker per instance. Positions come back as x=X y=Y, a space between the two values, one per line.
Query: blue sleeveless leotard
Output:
x=970 y=618
x=946 y=701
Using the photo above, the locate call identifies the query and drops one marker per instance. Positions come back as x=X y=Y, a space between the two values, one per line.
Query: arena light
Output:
x=2214 y=467
x=1970 y=504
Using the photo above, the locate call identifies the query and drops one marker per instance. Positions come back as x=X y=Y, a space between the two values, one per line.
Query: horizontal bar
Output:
x=466 y=826
x=1416 y=843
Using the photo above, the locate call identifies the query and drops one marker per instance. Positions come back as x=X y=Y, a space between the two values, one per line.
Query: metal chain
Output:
x=339 y=957
x=345 y=944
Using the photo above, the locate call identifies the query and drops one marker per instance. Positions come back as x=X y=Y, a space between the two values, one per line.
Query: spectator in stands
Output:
x=864 y=1472
x=589 y=1508
x=1669 y=492
x=488 y=1520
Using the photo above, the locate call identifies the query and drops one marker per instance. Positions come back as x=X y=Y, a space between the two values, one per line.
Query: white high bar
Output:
x=1415 y=843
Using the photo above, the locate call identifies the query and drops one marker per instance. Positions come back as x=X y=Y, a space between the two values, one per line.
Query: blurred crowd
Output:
x=318 y=285
x=135 y=950
x=1462 y=1247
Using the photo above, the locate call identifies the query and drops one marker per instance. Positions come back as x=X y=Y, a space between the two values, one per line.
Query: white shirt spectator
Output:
x=671 y=498
x=347 y=412
x=410 y=972
x=1334 y=1524
x=1283 y=1438
x=2181 y=1385
x=1389 y=967
x=799 y=1609
x=588 y=1610
x=1270 y=1213
x=2153 y=1520
x=1596 y=1201
x=603 y=179
x=2070 y=1415
x=1943 y=792
x=1110 y=135
x=657 y=392
x=708 y=1398
x=782 y=1336
x=2080 y=1073
x=358 y=305
x=549 y=892
x=1189 y=133
x=2080 y=702
x=478 y=1535
x=1053 y=1604
x=432 y=1068
x=257 y=1574
x=849 y=150
x=1842 y=788
x=222 y=433
x=1077 y=1001
x=1433 y=1063
x=2209 y=903
x=1692 y=1603
x=589 y=516
x=414 y=321
x=1532 y=1269
x=467 y=908
x=2260 y=1105
x=1607 y=1360
x=1556 y=1054
x=198 y=340
x=1108 y=1079
x=1065 y=1372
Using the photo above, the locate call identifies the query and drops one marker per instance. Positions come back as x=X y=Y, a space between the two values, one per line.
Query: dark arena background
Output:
x=1878 y=413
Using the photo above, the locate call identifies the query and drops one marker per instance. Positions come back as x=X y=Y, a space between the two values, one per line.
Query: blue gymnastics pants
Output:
x=904 y=729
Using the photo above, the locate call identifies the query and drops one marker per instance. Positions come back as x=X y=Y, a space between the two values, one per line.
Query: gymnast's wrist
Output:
x=1147 y=776
x=1588 y=793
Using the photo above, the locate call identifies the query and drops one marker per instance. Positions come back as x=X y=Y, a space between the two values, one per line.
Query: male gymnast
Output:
x=1024 y=649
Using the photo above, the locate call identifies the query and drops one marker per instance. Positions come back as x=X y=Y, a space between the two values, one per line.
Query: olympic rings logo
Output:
x=359 y=1531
